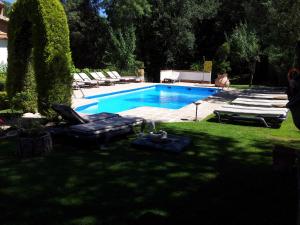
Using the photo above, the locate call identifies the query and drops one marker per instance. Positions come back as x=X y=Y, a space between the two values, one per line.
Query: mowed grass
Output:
x=225 y=177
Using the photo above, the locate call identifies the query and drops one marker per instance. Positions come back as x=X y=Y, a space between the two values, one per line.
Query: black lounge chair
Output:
x=73 y=118
x=102 y=125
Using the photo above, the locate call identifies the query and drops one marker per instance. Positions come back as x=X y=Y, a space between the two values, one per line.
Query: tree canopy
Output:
x=178 y=33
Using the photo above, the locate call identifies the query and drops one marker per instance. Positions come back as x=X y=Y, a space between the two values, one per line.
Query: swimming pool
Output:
x=162 y=96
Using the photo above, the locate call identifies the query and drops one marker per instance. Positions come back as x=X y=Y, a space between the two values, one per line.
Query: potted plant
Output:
x=33 y=139
x=222 y=79
x=223 y=66
x=140 y=69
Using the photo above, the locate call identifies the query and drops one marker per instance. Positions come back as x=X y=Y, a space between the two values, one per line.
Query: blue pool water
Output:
x=162 y=96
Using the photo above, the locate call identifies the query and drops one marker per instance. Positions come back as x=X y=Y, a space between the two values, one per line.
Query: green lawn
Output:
x=226 y=177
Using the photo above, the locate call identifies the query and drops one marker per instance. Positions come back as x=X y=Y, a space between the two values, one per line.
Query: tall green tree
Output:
x=123 y=17
x=245 y=47
x=278 y=33
x=167 y=36
x=88 y=33
x=123 y=48
x=7 y=8
x=283 y=19
x=126 y=12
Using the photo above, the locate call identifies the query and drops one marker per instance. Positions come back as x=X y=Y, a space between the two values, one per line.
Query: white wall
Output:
x=3 y=51
x=191 y=75
x=196 y=76
x=164 y=74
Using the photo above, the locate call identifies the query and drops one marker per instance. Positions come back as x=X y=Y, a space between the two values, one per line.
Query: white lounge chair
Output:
x=87 y=79
x=80 y=80
x=97 y=77
x=127 y=78
x=76 y=77
x=267 y=116
x=77 y=84
x=260 y=102
x=112 y=80
x=112 y=76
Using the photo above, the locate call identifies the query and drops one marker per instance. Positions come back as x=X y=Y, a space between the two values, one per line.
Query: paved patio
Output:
x=186 y=113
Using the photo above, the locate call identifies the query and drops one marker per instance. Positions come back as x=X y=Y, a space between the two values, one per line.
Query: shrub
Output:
x=244 y=45
x=86 y=71
x=39 y=28
x=139 y=64
x=74 y=69
x=196 y=67
x=124 y=45
x=4 y=104
x=2 y=81
x=25 y=101
x=222 y=65
x=3 y=70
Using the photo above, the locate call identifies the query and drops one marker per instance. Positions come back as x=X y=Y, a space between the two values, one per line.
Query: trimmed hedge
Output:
x=39 y=28
x=3 y=100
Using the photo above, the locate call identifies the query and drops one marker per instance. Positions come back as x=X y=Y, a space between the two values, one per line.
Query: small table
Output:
x=173 y=143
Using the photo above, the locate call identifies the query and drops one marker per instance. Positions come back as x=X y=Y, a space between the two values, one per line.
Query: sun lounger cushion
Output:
x=264 y=103
x=99 y=116
x=103 y=127
x=267 y=116
x=234 y=111
x=255 y=108
x=261 y=100
x=127 y=78
x=87 y=80
x=100 y=74
x=266 y=96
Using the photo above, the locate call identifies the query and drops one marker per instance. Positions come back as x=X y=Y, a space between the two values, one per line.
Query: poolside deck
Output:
x=186 y=113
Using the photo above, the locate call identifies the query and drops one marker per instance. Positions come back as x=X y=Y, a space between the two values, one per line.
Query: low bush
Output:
x=74 y=69
x=2 y=81
x=4 y=103
x=196 y=67
x=25 y=101
x=86 y=71
x=3 y=71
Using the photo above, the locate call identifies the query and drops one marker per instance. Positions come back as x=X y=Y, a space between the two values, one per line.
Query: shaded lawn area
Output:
x=226 y=177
